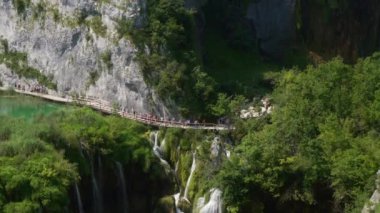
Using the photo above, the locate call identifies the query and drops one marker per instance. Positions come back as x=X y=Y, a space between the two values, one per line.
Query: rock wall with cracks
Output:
x=274 y=23
x=71 y=52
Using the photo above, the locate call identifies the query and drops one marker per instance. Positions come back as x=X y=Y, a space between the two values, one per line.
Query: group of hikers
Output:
x=153 y=118
x=31 y=88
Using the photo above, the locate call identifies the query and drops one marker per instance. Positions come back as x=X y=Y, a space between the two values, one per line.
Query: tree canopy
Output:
x=33 y=175
x=320 y=149
x=43 y=158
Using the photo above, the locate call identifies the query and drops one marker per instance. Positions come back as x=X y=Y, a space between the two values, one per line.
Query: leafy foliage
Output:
x=227 y=105
x=167 y=57
x=33 y=175
x=320 y=149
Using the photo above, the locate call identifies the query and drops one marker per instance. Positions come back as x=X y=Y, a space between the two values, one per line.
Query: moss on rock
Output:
x=166 y=205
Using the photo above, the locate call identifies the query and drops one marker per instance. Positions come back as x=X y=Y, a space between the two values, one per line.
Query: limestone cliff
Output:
x=75 y=43
x=347 y=28
x=273 y=21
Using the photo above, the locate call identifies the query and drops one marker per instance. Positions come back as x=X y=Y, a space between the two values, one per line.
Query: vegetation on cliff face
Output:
x=18 y=63
x=318 y=151
x=167 y=56
x=193 y=57
x=21 y=5
x=180 y=146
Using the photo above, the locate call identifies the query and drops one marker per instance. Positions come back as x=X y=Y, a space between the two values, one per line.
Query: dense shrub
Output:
x=96 y=24
x=21 y=5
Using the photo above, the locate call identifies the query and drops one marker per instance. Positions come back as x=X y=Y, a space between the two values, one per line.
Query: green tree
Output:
x=33 y=176
x=227 y=106
x=318 y=151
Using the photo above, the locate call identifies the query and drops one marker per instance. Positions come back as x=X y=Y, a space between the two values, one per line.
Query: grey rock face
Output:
x=72 y=54
x=273 y=21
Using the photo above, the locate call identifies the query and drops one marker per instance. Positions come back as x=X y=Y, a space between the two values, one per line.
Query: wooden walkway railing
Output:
x=106 y=107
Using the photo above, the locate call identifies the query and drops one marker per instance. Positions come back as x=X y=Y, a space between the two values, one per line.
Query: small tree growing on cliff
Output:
x=115 y=107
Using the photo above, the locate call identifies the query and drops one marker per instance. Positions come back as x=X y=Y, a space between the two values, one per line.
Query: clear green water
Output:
x=20 y=106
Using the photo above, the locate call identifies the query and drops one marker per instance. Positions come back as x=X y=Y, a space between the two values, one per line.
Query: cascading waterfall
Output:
x=162 y=145
x=176 y=201
x=176 y=166
x=97 y=204
x=228 y=154
x=81 y=150
x=79 y=199
x=157 y=151
x=100 y=174
x=193 y=167
x=201 y=202
x=214 y=205
x=123 y=186
x=177 y=163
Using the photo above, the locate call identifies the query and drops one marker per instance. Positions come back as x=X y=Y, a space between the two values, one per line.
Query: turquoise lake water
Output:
x=20 y=106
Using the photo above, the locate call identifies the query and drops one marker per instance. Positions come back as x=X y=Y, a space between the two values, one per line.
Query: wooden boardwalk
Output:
x=106 y=107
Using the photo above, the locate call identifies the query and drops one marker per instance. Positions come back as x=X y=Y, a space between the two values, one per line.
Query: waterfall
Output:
x=158 y=152
x=214 y=205
x=79 y=199
x=193 y=167
x=176 y=167
x=100 y=173
x=177 y=163
x=200 y=202
x=97 y=204
x=162 y=145
x=228 y=154
x=123 y=186
x=176 y=199
x=81 y=150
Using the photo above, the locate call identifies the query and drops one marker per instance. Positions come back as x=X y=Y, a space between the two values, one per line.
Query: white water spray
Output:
x=193 y=167
x=162 y=145
x=123 y=186
x=214 y=205
x=97 y=204
x=79 y=199
x=158 y=152
x=176 y=202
